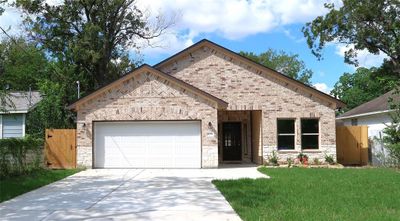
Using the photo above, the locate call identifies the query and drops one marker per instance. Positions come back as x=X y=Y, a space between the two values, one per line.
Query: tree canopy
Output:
x=94 y=37
x=373 y=25
x=361 y=86
x=288 y=64
x=22 y=65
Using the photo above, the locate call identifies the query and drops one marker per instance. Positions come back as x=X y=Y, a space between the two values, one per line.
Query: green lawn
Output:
x=13 y=186
x=316 y=194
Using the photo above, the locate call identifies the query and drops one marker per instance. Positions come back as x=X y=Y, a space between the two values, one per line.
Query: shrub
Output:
x=303 y=158
x=20 y=155
x=273 y=159
x=289 y=161
x=316 y=161
x=391 y=139
x=329 y=159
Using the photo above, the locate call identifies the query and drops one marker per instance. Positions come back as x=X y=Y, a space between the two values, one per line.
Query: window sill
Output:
x=312 y=151
x=288 y=151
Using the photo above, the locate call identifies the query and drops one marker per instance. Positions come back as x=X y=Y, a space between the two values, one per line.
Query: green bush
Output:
x=329 y=159
x=20 y=155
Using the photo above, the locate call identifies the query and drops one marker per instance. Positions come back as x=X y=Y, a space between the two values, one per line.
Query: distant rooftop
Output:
x=379 y=104
x=23 y=101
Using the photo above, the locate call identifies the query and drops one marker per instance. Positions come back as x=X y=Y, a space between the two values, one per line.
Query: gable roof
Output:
x=22 y=101
x=265 y=69
x=374 y=106
x=148 y=68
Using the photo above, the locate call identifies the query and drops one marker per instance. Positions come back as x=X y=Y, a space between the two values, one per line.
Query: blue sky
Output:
x=328 y=70
x=240 y=25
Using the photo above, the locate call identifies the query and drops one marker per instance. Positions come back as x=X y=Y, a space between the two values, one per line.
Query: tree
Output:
x=373 y=25
x=92 y=36
x=3 y=93
x=2 y=2
x=50 y=112
x=391 y=139
x=288 y=64
x=361 y=86
x=22 y=65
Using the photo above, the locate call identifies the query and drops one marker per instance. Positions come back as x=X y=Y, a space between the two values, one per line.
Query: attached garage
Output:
x=147 y=144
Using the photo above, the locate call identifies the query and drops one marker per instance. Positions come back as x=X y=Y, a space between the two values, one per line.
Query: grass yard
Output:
x=11 y=187
x=316 y=194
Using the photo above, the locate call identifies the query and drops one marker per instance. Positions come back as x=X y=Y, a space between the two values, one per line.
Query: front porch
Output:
x=240 y=137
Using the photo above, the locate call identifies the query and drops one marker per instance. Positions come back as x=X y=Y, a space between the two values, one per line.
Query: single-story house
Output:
x=376 y=115
x=199 y=108
x=13 y=115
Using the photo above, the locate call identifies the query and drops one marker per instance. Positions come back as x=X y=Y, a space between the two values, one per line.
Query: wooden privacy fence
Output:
x=352 y=145
x=60 y=148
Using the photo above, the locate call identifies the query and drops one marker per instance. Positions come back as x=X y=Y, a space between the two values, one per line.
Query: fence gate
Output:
x=60 y=148
x=352 y=145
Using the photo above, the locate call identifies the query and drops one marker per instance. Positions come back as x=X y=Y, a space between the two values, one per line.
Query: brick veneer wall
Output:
x=246 y=88
x=147 y=97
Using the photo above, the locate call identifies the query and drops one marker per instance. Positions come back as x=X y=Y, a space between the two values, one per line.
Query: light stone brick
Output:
x=246 y=88
x=146 y=97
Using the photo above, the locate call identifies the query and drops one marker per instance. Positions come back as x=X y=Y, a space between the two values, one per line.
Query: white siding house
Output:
x=12 y=119
x=376 y=115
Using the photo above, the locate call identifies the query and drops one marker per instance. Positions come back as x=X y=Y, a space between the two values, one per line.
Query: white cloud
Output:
x=231 y=19
x=365 y=59
x=322 y=87
x=10 y=21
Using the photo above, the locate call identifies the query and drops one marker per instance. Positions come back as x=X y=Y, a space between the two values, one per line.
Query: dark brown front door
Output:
x=232 y=142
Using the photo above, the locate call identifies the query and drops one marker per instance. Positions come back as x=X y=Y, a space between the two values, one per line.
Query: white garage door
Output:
x=152 y=144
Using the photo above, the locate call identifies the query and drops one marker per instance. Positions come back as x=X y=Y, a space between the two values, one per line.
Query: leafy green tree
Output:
x=22 y=65
x=391 y=139
x=3 y=92
x=51 y=111
x=361 y=86
x=373 y=25
x=288 y=64
x=92 y=36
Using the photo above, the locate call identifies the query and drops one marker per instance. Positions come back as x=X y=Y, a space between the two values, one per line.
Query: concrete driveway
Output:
x=130 y=194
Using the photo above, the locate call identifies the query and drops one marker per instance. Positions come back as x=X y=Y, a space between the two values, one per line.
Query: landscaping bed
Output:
x=11 y=187
x=316 y=194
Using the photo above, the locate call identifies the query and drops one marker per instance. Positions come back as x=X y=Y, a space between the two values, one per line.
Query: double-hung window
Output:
x=309 y=134
x=286 y=134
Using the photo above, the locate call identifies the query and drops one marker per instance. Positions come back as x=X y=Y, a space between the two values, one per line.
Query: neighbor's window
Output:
x=354 y=122
x=286 y=134
x=309 y=133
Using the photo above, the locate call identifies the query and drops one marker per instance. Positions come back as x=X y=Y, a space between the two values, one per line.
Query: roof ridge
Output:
x=156 y=66
x=167 y=76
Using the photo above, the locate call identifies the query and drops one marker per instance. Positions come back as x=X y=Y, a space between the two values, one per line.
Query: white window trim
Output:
x=1 y=126
x=313 y=134
x=286 y=134
x=23 y=125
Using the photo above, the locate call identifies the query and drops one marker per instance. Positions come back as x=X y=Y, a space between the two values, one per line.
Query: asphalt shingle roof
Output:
x=23 y=101
x=380 y=103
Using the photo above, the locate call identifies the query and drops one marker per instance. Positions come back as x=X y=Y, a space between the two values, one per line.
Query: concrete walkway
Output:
x=130 y=194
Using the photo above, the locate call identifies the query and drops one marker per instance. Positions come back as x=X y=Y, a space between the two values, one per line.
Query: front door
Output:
x=232 y=142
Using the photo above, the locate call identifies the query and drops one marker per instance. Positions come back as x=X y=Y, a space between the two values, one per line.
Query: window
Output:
x=309 y=133
x=286 y=134
x=12 y=125
x=354 y=122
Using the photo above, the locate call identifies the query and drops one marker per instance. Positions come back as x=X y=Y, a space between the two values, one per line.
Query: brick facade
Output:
x=147 y=97
x=245 y=87
x=256 y=96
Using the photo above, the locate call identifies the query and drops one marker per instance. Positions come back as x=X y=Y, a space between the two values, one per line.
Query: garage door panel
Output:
x=153 y=144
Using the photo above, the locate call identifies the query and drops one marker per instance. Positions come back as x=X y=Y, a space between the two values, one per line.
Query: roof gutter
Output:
x=364 y=114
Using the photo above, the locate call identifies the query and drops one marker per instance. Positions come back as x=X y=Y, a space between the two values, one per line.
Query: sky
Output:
x=239 y=25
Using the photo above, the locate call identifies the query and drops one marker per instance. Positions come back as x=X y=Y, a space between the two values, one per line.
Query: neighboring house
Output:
x=201 y=107
x=12 y=120
x=376 y=115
